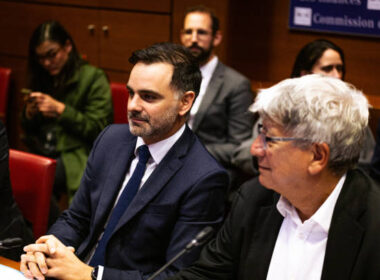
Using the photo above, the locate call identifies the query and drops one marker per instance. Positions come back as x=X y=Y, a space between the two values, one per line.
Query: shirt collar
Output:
x=159 y=149
x=208 y=69
x=324 y=213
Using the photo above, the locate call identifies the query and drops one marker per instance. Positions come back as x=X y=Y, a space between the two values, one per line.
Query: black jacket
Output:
x=243 y=248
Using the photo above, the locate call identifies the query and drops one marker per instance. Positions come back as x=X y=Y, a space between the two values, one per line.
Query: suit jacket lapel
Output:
x=346 y=233
x=114 y=180
x=263 y=239
x=159 y=178
x=211 y=93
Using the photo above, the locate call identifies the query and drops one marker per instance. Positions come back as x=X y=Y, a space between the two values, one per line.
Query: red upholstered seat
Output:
x=5 y=75
x=120 y=102
x=32 y=179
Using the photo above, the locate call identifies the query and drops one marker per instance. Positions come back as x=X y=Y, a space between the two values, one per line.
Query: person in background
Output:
x=310 y=214
x=148 y=189
x=219 y=115
x=69 y=104
x=12 y=222
x=317 y=57
x=375 y=162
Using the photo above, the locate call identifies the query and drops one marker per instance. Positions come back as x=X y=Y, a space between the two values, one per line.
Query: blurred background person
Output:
x=219 y=115
x=68 y=106
x=317 y=57
x=12 y=223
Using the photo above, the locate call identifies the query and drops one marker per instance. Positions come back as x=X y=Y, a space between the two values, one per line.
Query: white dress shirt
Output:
x=157 y=151
x=207 y=70
x=300 y=247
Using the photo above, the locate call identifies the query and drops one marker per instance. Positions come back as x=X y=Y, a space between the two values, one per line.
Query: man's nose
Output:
x=194 y=36
x=257 y=147
x=134 y=103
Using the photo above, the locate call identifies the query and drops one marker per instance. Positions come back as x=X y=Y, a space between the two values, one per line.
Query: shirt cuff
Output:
x=100 y=273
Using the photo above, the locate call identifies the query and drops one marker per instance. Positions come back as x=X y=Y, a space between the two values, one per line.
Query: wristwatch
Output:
x=94 y=273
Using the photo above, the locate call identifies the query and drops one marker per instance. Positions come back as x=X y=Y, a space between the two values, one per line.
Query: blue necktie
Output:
x=125 y=199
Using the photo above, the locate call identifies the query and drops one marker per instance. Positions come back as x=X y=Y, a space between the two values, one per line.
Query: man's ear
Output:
x=186 y=102
x=217 y=38
x=320 y=159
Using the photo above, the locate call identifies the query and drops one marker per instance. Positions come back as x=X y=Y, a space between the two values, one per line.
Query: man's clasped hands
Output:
x=49 y=257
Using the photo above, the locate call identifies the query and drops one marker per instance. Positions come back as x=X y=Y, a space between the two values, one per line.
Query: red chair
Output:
x=5 y=75
x=120 y=102
x=32 y=179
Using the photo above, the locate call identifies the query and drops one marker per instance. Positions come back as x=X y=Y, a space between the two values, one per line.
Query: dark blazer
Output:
x=243 y=248
x=12 y=223
x=183 y=195
x=222 y=121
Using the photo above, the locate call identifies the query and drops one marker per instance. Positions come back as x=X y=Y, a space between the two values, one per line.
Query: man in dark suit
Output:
x=219 y=115
x=181 y=191
x=318 y=216
x=12 y=223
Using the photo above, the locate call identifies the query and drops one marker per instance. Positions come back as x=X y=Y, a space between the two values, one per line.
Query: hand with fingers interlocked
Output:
x=49 y=257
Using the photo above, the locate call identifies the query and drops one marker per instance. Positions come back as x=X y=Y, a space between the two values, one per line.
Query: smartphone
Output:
x=26 y=91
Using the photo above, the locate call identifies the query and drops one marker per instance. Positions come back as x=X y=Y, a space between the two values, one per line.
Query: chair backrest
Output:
x=5 y=75
x=32 y=178
x=120 y=102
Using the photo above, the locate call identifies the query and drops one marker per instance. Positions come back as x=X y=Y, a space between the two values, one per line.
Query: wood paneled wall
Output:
x=256 y=42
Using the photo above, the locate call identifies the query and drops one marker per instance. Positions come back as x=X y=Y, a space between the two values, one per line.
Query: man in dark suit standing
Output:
x=219 y=115
x=318 y=216
x=148 y=189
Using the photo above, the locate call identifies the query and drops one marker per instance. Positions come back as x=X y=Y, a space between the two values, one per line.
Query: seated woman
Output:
x=12 y=223
x=68 y=106
x=317 y=57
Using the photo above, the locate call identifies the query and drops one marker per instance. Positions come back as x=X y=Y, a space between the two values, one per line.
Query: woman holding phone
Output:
x=69 y=104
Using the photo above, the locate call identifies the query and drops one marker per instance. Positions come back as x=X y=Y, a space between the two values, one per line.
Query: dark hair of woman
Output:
x=40 y=79
x=310 y=54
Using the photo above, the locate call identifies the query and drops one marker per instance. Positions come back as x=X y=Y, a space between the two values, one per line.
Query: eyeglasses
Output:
x=267 y=139
x=198 y=32
x=50 y=55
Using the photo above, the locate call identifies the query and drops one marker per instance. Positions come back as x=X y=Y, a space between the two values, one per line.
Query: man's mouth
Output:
x=263 y=167
x=137 y=119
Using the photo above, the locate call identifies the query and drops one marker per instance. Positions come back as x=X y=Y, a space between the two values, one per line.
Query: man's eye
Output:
x=202 y=32
x=149 y=97
x=269 y=139
x=188 y=31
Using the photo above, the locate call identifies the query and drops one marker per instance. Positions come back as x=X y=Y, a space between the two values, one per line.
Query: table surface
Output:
x=10 y=263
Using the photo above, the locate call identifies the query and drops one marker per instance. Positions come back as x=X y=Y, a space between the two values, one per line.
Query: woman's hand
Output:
x=44 y=103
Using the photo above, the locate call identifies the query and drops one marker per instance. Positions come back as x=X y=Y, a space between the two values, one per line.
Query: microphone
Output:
x=10 y=243
x=201 y=238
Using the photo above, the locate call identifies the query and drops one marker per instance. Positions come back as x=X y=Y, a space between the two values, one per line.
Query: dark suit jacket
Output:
x=222 y=121
x=12 y=223
x=183 y=195
x=243 y=248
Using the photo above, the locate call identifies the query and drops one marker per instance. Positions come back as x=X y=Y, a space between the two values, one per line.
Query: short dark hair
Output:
x=203 y=9
x=52 y=30
x=186 y=73
x=310 y=54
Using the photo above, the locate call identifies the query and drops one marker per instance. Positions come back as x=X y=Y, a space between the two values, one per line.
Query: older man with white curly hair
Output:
x=317 y=216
